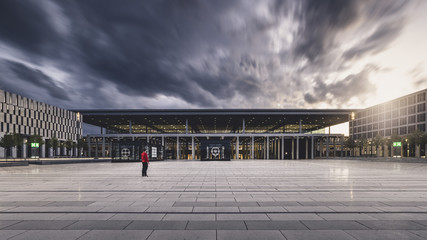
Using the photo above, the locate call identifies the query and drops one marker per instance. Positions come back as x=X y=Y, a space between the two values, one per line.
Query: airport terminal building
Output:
x=208 y=134
x=213 y=134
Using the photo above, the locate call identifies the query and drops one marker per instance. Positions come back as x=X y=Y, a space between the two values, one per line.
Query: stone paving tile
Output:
x=194 y=204
x=345 y=216
x=7 y=223
x=98 y=225
x=275 y=225
x=215 y=209
x=50 y=235
x=237 y=204
x=333 y=225
x=356 y=209
x=7 y=234
x=85 y=216
x=394 y=225
x=157 y=225
x=316 y=235
x=216 y=225
x=249 y=235
x=263 y=209
x=40 y=225
x=183 y=235
x=309 y=209
x=383 y=235
x=278 y=203
x=242 y=217
x=293 y=216
x=170 y=209
x=116 y=235
x=138 y=216
x=189 y=217
x=420 y=233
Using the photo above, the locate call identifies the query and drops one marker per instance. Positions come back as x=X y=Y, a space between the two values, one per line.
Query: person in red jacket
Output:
x=145 y=161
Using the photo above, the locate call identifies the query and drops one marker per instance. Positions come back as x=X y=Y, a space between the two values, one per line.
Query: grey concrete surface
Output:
x=246 y=199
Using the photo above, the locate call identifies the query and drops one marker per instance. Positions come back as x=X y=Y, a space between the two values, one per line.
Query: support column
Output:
x=342 y=146
x=312 y=147
x=327 y=147
x=293 y=149
x=252 y=147
x=306 y=148
x=103 y=147
x=24 y=149
x=237 y=147
x=177 y=148
x=268 y=147
x=283 y=148
x=88 y=147
x=96 y=147
x=186 y=125
x=243 y=126
x=298 y=147
x=192 y=148
x=335 y=147
x=43 y=150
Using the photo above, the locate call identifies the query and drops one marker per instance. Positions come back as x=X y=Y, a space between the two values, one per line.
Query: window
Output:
x=421 y=117
x=403 y=131
x=395 y=113
x=411 y=129
x=388 y=115
x=403 y=102
x=388 y=124
x=388 y=132
x=421 y=127
x=421 y=107
x=411 y=119
x=403 y=111
x=395 y=122
x=411 y=100
x=421 y=97
x=403 y=121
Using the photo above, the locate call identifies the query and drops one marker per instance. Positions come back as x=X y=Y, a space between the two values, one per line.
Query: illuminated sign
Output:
x=397 y=144
x=35 y=145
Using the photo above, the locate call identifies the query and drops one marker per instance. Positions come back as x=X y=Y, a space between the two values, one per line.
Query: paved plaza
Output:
x=262 y=199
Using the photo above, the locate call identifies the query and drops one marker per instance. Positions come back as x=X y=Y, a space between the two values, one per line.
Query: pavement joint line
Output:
x=201 y=213
x=203 y=191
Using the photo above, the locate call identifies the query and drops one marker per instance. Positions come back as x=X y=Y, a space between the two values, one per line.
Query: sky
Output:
x=87 y=54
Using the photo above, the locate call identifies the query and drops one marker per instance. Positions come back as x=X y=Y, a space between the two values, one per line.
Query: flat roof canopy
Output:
x=214 y=120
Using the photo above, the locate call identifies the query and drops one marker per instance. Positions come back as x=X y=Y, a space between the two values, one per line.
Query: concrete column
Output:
x=335 y=147
x=186 y=125
x=43 y=151
x=13 y=149
x=177 y=148
x=252 y=147
x=88 y=147
x=192 y=148
x=312 y=147
x=342 y=145
x=327 y=146
x=283 y=148
x=243 y=126
x=297 y=147
x=96 y=147
x=306 y=148
x=237 y=147
x=293 y=149
x=103 y=147
x=24 y=149
x=163 y=141
x=268 y=147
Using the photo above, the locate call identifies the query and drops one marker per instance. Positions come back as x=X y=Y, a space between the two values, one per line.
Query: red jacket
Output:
x=144 y=157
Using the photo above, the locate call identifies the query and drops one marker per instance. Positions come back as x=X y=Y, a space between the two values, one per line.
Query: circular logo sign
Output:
x=125 y=152
x=215 y=151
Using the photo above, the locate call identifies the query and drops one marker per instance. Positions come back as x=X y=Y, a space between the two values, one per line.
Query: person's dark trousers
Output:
x=144 y=169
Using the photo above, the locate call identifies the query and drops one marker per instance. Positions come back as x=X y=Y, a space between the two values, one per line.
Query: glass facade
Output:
x=401 y=116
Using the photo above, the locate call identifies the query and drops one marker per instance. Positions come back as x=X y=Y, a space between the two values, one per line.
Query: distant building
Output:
x=29 y=117
x=398 y=117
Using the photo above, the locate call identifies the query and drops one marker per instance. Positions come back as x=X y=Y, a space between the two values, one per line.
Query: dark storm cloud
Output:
x=36 y=78
x=206 y=53
x=322 y=20
x=25 y=25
